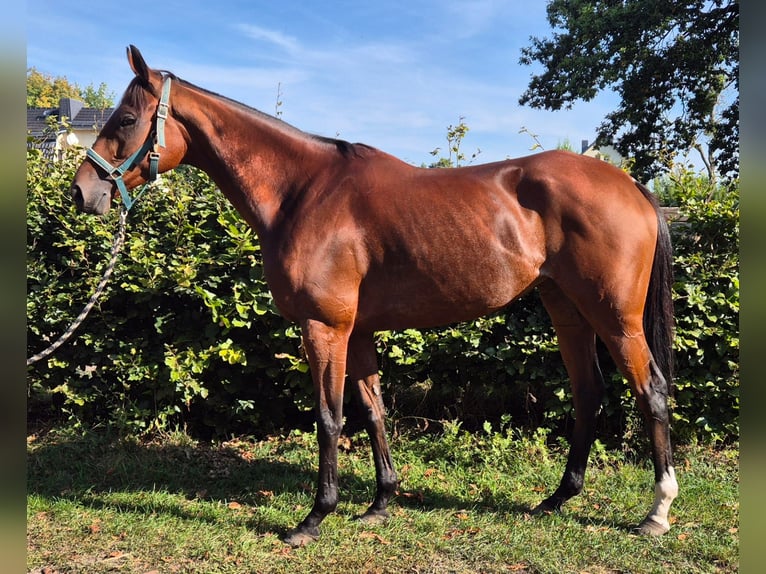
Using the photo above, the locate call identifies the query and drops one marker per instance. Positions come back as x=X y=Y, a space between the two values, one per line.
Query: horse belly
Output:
x=435 y=293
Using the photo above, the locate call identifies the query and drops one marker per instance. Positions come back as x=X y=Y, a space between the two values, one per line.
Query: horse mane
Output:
x=345 y=148
x=134 y=96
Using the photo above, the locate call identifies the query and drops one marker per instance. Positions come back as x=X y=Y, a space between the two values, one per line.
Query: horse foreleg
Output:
x=577 y=344
x=363 y=376
x=326 y=349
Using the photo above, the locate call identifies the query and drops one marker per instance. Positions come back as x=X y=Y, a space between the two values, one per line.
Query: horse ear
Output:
x=137 y=64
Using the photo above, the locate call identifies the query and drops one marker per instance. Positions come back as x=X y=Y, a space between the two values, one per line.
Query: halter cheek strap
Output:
x=151 y=147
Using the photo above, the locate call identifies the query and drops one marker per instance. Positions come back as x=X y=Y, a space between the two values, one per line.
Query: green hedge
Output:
x=186 y=333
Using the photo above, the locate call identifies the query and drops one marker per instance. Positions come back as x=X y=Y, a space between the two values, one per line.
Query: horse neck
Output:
x=252 y=157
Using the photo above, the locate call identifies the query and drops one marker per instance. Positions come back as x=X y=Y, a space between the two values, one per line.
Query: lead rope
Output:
x=119 y=240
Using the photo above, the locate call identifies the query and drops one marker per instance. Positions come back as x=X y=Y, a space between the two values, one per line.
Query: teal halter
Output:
x=151 y=147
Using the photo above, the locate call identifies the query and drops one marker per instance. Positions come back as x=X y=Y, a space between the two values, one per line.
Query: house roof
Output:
x=79 y=117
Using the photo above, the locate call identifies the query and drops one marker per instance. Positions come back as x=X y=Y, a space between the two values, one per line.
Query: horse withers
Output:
x=355 y=241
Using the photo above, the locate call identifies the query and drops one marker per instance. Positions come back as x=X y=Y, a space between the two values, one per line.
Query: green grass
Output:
x=100 y=504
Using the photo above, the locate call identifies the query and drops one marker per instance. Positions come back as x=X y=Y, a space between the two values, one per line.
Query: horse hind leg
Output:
x=634 y=359
x=577 y=345
x=365 y=382
x=623 y=334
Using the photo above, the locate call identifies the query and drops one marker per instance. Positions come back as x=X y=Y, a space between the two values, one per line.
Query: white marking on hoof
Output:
x=665 y=491
x=650 y=527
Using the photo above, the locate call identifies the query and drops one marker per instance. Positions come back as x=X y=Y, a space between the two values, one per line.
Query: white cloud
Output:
x=472 y=18
x=287 y=43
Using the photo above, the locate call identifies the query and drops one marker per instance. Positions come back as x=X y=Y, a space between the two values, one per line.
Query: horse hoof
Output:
x=374 y=518
x=540 y=509
x=545 y=507
x=298 y=537
x=652 y=527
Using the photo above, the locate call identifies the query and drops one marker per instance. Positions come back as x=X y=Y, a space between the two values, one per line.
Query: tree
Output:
x=97 y=98
x=674 y=64
x=45 y=91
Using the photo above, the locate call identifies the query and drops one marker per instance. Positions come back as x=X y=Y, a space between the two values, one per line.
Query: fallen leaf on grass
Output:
x=416 y=495
x=116 y=555
x=234 y=505
x=460 y=532
x=282 y=550
x=375 y=536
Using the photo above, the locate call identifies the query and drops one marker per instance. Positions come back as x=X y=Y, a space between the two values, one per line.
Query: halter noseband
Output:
x=151 y=147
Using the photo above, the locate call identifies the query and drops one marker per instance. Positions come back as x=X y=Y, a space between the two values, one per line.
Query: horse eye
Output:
x=127 y=121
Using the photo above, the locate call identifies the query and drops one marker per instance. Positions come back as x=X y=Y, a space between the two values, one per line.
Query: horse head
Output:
x=139 y=141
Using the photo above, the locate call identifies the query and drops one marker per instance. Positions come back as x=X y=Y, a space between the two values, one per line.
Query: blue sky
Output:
x=391 y=74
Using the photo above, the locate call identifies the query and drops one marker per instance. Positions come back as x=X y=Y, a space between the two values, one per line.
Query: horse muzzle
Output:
x=97 y=203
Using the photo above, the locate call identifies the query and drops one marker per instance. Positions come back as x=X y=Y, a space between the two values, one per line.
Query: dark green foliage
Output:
x=673 y=64
x=186 y=333
x=707 y=306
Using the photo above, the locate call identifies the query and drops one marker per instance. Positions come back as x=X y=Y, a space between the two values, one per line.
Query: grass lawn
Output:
x=100 y=504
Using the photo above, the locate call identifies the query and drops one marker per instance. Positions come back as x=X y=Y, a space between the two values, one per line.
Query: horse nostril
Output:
x=77 y=196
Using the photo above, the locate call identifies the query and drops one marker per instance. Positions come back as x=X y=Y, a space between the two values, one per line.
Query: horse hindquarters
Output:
x=621 y=308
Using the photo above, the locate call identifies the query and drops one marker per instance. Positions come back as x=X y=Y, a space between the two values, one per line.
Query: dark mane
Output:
x=135 y=93
x=134 y=96
x=345 y=148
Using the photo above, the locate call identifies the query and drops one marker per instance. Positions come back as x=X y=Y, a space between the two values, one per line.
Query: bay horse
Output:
x=355 y=241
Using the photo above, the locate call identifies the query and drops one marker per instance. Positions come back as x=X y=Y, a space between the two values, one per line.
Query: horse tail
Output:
x=658 y=309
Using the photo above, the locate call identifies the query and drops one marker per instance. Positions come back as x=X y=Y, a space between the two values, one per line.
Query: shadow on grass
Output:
x=85 y=468
x=426 y=499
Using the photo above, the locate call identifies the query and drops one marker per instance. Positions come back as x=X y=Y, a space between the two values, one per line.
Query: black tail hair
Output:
x=658 y=311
